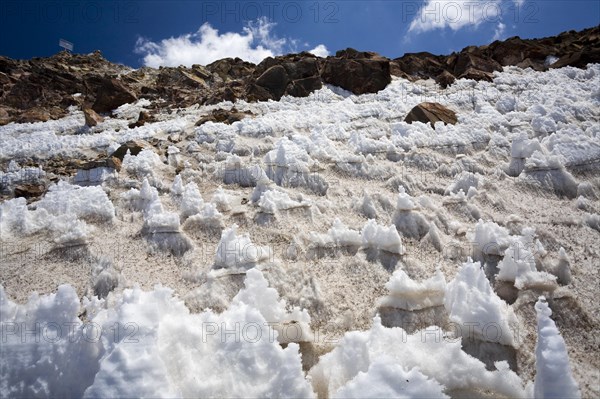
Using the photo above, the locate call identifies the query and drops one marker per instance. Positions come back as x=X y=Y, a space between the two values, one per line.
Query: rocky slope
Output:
x=41 y=89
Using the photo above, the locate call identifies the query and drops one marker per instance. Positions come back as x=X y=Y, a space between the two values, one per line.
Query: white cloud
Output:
x=255 y=43
x=320 y=51
x=453 y=14
x=499 y=32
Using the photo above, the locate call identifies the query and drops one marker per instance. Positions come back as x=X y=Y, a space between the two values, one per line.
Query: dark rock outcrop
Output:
x=431 y=113
x=479 y=63
x=134 y=148
x=43 y=88
x=358 y=72
x=91 y=117
x=111 y=95
x=143 y=117
x=223 y=116
x=30 y=191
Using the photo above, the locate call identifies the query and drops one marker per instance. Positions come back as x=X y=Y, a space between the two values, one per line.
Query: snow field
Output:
x=292 y=229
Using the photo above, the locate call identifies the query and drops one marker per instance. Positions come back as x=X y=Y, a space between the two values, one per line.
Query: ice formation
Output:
x=237 y=252
x=64 y=212
x=387 y=379
x=293 y=326
x=147 y=344
x=437 y=358
x=406 y=293
x=144 y=164
x=191 y=202
x=272 y=201
x=518 y=265
x=341 y=157
x=487 y=317
x=338 y=235
x=381 y=237
x=553 y=378
x=489 y=239
x=408 y=220
x=288 y=166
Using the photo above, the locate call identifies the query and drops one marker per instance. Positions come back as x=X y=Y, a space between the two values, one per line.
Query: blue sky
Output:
x=184 y=32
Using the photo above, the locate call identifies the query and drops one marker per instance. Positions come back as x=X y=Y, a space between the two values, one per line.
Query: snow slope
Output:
x=282 y=236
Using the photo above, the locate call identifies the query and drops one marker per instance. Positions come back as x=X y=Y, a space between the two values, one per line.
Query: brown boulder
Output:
x=4 y=117
x=360 y=75
x=431 y=113
x=423 y=64
x=91 y=117
x=32 y=115
x=227 y=93
x=143 y=117
x=274 y=80
x=352 y=54
x=112 y=94
x=30 y=190
x=466 y=61
x=223 y=116
x=578 y=59
x=445 y=79
x=109 y=162
x=231 y=68
x=134 y=148
x=476 y=74
x=515 y=50
x=303 y=87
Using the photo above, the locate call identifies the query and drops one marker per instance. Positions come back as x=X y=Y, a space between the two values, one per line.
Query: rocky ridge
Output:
x=41 y=89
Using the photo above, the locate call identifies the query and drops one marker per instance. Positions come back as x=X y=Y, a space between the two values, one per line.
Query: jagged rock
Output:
x=535 y=65
x=223 y=116
x=108 y=162
x=224 y=94
x=578 y=59
x=255 y=92
x=43 y=88
x=431 y=113
x=30 y=190
x=358 y=75
x=468 y=61
x=111 y=95
x=134 y=147
x=445 y=79
x=231 y=68
x=32 y=115
x=91 y=117
x=303 y=87
x=4 y=117
x=143 y=117
x=423 y=65
x=515 y=50
x=274 y=80
x=476 y=74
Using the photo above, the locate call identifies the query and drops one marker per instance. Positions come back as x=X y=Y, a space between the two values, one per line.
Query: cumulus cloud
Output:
x=453 y=14
x=458 y=14
x=255 y=43
x=320 y=51
x=499 y=32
